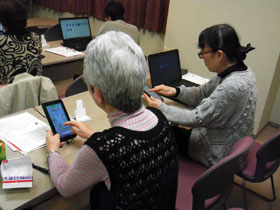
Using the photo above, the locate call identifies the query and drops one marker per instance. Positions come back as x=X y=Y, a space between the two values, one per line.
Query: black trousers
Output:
x=182 y=136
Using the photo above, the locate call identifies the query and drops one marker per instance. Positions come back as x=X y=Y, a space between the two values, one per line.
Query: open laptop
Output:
x=165 y=69
x=75 y=32
x=1 y=29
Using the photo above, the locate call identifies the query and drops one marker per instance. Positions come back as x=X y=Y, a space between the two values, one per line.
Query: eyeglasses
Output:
x=201 y=53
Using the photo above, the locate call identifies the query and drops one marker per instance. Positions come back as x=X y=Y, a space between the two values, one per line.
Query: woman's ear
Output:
x=108 y=18
x=221 y=55
x=98 y=94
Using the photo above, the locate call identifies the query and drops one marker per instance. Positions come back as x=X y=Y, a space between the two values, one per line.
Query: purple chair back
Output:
x=218 y=179
x=268 y=152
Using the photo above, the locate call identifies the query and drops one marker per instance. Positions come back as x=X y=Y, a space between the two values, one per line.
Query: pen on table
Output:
x=39 y=168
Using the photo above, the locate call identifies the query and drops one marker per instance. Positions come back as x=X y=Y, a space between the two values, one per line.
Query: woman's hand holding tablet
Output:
x=57 y=115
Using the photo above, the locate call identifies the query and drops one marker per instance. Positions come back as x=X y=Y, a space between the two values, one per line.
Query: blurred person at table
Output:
x=224 y=107
x=133 y=164
x=114 y=15
x=20 y=50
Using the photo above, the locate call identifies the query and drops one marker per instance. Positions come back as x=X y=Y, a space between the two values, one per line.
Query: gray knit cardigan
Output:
x=224 y=112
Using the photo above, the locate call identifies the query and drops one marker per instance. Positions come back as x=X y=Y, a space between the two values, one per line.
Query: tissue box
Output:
x=17 y=173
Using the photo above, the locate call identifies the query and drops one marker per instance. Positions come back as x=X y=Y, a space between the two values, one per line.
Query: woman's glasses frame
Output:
x=200 y=54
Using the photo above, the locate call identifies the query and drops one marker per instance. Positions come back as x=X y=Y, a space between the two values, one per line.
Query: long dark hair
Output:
x=224 y=37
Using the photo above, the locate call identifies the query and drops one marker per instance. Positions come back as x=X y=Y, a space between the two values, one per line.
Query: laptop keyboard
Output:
x=186 y=83
x=79 y=46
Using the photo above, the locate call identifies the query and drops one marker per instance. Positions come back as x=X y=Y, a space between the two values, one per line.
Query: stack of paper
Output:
x=64 y=51
x=23 y=132
x=195 y=78
x=16 y=173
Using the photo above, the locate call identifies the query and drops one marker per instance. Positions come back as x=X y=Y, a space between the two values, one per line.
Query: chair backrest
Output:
x=35 y=29
x=53 y=33
x=217 y=180
x=77 y=86
x=25 y=92
x=269 y=151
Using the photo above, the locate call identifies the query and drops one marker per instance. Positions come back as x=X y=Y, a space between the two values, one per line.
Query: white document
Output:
x=17 y=173
x=195 y=78
x=64 y=51
x=23 y=132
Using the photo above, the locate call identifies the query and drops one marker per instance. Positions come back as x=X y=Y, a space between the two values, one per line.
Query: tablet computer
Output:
x=154 y=94
x=57 y=115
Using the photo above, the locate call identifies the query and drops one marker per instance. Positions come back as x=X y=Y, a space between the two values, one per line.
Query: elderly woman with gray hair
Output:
x=132 y=165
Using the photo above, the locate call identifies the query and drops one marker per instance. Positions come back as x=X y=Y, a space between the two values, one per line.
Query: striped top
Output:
x=88 y=165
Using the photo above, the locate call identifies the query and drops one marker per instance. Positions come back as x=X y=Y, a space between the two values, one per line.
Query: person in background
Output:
x=20 y=50
x=133 y=164
x=224 y=107
x=114 y=14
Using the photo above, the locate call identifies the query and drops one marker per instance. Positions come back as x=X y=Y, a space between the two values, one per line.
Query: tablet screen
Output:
x=57 y=116
x=155 y=95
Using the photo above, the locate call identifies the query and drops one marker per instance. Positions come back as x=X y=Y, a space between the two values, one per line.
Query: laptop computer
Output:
x=1 y=29
x=75 y=32
x=165 y=69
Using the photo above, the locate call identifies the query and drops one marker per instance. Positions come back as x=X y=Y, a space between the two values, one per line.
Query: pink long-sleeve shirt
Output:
x=87 y=170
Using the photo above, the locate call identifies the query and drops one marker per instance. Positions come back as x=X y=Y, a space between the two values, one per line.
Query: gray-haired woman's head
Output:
x=116 y=65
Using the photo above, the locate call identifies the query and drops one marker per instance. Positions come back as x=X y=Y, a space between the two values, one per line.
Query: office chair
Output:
x=53 y=33
x=261 y=163
x=35 y=29
x=77 y=86
x=212 y=187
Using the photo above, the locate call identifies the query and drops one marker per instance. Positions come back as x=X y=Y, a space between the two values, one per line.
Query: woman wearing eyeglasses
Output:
x=224 y=107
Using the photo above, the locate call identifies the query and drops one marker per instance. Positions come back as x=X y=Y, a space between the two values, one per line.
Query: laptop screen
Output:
x=1 y=29
x=164 y=67
x=73 y=28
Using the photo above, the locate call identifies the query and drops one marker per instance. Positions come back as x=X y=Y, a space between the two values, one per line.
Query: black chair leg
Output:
x=244 y=194
x=265 y=198
x=273 y=189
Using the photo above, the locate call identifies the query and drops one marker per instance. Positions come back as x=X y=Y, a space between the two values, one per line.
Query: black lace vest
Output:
x=142 y=167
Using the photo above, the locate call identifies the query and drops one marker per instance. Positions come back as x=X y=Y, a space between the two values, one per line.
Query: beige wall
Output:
x=256 y=21
x=150 y=42
x=275 y=115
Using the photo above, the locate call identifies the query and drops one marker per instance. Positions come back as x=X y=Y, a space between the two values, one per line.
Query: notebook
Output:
x=75 y=32
x=165 y=69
